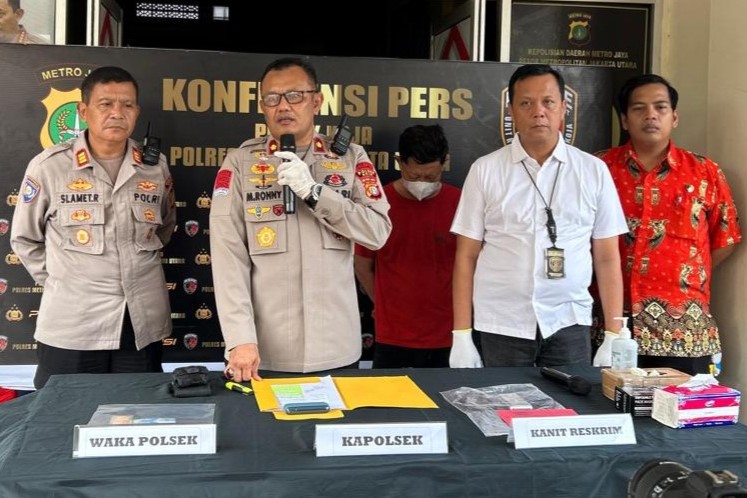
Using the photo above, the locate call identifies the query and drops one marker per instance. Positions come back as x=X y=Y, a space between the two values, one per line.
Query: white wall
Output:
x=704 y=54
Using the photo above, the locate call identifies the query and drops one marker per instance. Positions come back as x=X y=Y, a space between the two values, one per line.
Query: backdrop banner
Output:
x=202 y=104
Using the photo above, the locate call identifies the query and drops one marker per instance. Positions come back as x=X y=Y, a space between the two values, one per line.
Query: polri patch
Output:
x=31 y=189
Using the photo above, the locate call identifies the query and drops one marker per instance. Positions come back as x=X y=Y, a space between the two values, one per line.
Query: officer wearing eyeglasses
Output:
x=284 y=282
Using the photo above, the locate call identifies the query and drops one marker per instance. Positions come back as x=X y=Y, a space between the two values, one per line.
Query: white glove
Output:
x=603 y=358
x=463 y=351
x=715 y=364
x=295 y=173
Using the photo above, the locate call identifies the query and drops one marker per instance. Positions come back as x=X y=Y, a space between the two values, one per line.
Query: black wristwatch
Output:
x=313 y=198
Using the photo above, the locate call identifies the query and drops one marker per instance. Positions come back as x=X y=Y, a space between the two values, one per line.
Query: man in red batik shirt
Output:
x=682 y=222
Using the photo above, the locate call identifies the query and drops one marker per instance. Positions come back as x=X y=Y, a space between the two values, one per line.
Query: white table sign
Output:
x=576 y=430
x=381 y=439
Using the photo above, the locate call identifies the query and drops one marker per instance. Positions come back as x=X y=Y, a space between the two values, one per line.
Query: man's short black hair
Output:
x=623 y=96
x=530 y=70
x=14 y=4
x=105 y=74
x=425 y=144
x=286 y=62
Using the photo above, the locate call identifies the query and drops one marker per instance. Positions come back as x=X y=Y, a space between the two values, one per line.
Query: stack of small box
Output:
x=698 y=406
x=633 y=391
x=638 y=401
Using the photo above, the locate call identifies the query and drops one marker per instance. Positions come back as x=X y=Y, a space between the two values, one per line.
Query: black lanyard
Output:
x=552 y=228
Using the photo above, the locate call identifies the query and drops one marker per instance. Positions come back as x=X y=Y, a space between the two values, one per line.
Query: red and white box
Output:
x=681 y=407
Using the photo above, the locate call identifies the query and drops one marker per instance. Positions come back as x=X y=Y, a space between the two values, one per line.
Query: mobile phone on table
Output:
x=306 y=407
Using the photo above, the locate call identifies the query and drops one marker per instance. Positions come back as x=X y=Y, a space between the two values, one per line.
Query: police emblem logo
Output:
x=14 y=314
x=372 y=190
x=202 y=258
x=83 y=237
x=63 y=122
x=147 y=186
x=203 y=313
x=335 y=180
x=80 y=185
x=203 y=202
x=192 y=227
x=4 y=225
x=278 y=209
x=190 y=285
x=570 y=121
x=12 y=199
x=3 y=343
x=30 y=189
x=190 y=341
x=3 y=286
x=579 y=28
x=266 y=237
x=12 y=259
x=150 y=215
x=80 y=215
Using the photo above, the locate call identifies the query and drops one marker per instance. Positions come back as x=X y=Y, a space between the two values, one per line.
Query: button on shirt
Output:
x=500 y=206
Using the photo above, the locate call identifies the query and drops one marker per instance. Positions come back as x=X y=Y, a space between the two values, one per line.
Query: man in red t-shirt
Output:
x=409 y=279
x=682 y=223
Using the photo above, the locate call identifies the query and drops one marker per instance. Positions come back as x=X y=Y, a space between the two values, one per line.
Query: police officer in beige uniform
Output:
x=284 y=282
x=89 y=227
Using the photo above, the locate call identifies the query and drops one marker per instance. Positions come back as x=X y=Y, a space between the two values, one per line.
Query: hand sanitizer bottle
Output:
x=624 y=349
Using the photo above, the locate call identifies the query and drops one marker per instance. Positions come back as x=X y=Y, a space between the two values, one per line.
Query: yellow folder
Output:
x=356 y=392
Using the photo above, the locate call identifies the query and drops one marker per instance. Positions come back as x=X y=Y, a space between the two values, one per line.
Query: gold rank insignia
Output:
x=80 y=185
x=266 y=237
x=147 y=186
x=262 y=169
x=149 y=214
x=319 y=145
x=137 y=155
x=80 y=215
x=82 y=157
x=12 y=259
x=83 y=237
x=273 y=146
x=257 y=211
x=12 y=199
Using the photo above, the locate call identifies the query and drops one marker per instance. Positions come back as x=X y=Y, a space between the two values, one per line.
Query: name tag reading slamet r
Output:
x=87 y=198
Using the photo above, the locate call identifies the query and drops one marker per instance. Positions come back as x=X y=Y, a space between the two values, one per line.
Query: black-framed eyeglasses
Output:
x=292 y=97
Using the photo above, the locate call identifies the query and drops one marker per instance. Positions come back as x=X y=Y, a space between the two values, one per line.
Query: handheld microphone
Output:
x=574 y=383
x=288 y=142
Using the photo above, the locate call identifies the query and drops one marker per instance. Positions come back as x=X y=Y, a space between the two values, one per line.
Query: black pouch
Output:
x=191 y=381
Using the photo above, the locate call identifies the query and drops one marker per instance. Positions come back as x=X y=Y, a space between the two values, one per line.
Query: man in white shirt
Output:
x=533 y=219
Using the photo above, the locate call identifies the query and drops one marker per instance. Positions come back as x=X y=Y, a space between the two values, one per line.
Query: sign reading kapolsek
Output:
x=203 y=104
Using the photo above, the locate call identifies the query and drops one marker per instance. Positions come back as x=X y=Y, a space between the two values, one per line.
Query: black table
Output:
x=259 y=456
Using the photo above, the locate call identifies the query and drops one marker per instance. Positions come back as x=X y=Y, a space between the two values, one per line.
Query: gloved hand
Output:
x=463 y=351
x=715 y=364
x=295 y=173
x=603 y=358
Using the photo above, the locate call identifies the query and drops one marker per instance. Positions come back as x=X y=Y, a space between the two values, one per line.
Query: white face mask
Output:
x=421 y=190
